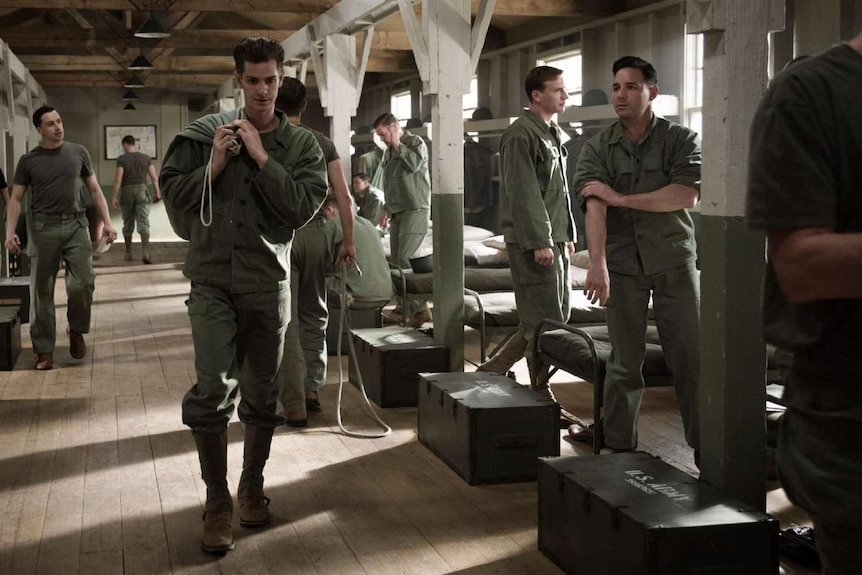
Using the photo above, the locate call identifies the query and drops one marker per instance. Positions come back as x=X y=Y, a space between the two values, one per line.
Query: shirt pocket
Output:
x=654 y=175
x=547 y=162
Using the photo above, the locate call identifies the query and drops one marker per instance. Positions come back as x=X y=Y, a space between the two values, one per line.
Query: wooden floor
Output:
x=98 y=475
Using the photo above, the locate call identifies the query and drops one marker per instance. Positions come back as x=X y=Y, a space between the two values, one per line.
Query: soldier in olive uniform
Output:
x=407 y=185
x=369 y=200
x=51 y=174
x=637 y=179
x=240 y=230
x=369 y=284
x=534 y=208
x=305 y=340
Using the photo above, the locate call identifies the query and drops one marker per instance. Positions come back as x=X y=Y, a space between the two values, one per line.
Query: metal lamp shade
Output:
x=141 y=63
x=134 y=82
x=152 y=29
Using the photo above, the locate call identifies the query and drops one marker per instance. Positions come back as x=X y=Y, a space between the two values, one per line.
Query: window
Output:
x=470 y=101
x=401 y=106
x=571 y=65
x=693 y=97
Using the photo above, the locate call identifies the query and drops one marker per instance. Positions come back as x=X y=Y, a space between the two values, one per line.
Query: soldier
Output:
x=263 y=178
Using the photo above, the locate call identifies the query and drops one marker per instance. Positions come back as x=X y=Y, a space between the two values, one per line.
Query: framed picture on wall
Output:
x=145 y=136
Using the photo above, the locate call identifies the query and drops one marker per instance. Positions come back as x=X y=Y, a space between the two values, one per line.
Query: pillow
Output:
x=581 y=259
x=495 y=242
x=475 y=234
x=485 y=255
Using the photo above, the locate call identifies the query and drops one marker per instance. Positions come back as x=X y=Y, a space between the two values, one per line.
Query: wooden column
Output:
x=732 y=387
x=446 y=24
x=340 y=50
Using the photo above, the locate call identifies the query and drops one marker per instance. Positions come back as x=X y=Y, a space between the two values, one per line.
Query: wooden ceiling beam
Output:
x=305 y=6
x=107 y=80
x=313 y=8
x=210 y=64
x=179 y=39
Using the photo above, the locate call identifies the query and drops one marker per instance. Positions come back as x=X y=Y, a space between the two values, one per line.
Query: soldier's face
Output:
x=260 y=82
x=360 y=186
x=632 y=95
x=552 y=99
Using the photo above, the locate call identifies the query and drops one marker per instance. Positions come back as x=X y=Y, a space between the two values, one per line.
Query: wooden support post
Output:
x=733 y=381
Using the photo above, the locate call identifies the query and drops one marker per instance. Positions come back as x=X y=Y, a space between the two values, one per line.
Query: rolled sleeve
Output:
x=591 y=168
x=686 y=161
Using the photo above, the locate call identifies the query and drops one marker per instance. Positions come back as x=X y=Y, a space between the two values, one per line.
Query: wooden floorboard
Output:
x=99 y=476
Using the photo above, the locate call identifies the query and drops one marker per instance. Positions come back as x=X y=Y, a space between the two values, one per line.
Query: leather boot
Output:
x=128 y=241
x=253 y=504
x=511 y=352
x=145 y=247
x=539 y=379
x=218 y=532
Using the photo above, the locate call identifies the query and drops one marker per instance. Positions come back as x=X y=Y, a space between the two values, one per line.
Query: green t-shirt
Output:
x=135 y=166
x=330 y=154
x=55 y=177
x=805 y=171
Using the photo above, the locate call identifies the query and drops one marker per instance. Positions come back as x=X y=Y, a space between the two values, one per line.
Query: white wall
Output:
x=85 y=114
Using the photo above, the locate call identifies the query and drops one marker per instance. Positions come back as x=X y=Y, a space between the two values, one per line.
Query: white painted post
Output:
x=447 y=31
x=732 y=387
x=340 y=50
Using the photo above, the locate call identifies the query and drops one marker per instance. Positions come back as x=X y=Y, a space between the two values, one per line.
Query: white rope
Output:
x=207 y=191
x=207 y=187
x=341 y=319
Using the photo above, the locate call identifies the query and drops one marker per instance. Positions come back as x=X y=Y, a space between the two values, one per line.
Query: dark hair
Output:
x=257 y=49
x=647 y=69
x=362 y=176
x=37 y=115
x=129 y=140
x=386 y=119
x=291 y=97
x=537 y=77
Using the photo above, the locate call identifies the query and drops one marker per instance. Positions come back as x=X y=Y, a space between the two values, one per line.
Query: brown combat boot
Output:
x=253 y=504
x=507 y=356
x=217 y=535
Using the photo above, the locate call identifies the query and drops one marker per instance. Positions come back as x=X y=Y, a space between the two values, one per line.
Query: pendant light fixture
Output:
x=130 y=95
x=134 y=82
x=152 y=28
x=141 y=63
x=129 y=106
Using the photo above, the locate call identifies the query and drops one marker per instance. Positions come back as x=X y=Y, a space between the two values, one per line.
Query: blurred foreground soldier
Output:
x=59 y=232
x=262 y=178
x=805 y=191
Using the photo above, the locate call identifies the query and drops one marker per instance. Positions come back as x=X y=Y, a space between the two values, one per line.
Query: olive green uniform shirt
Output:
x=370 y=205
x=254 y=211
x=534 y=203
x=406 y=181
x=375 y=282
x=667 y=154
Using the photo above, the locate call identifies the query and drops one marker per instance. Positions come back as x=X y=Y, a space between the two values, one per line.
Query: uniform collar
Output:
x=618 y=133
x=549 y=127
